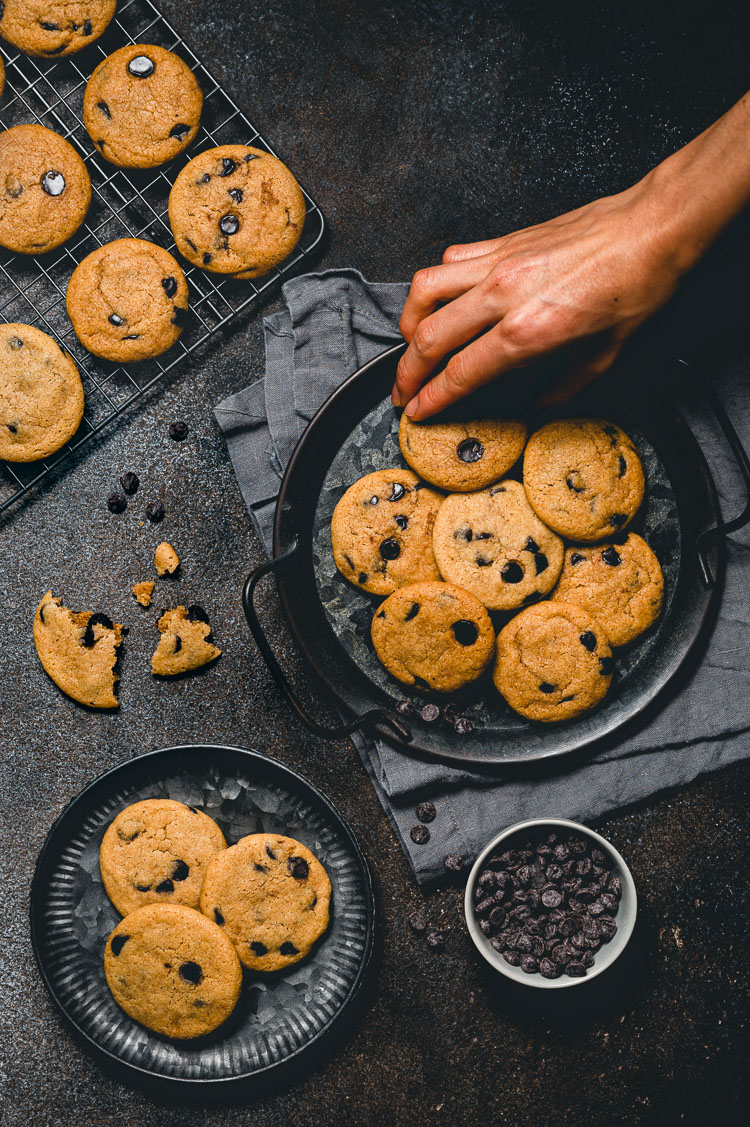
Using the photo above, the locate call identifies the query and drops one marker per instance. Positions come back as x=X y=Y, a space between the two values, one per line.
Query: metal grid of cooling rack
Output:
x=125 y=203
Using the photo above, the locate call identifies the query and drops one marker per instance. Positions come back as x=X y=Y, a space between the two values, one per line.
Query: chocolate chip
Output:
x=117 y=503
x=420 y=835
x=165 y=886
x=373 y=500
x=179 y=317
x=12 y=428
x=575 y=483
x=483 y=536
x=132 y=336
x=227 y=166
x=191 y=972
x=117 y=943
x=249 y=157
x=454 y=862
x=115 y=319
x=426 y=812
x=236 y=194
x=418 y=921
x=206 y=258
x=53 y=183
x=588 y=640
x=179 y=131
x=130 y=482
x=401 y=521
x=178 y=431
x=397 y=491
x=463 y=534
x=204 y=178
x=412 y=612
x=435 y=940
x=465 y=632
x=531 y=545
x=269 y=852
x=288 y=948
x=169 y=285
x=611 y=557
x=623 y=465
x=258 y=948
x=218 y=917
x=551 y=898
x=430 y=713
x=463 y=726
x=404 y=707
x=190 y=243
x=298 y=868
x=512 y=572
x=470 y=450
x=15 y=343
x=390 y=549
x=618 y=520
x=606 y=666
x=177 y=644
x=260 y=868
x=87 y=27
x=104 y=108
x=548 y=969
x=229 y=224
x=545 y=687
x=541 y=561
x=482 y=561
x=181 y=871
x=362 y=577
x=615 y=886
x=576 y=558
x=155 y=511
x=512 y=957
x=140 y=66
x=49 y=26
x=143 y=887
x=575 y=969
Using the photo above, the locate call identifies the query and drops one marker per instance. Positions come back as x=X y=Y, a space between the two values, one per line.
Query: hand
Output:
x=582 y=283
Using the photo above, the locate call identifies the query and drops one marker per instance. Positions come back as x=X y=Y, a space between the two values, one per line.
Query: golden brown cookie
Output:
x=172 y=970
x=157 y=851
x=142 y=106
x=185 y=642
x=553 y=662
x=434 y=636
x=381 y=531
x=462 y=456
x=166 y=560
x=54 y=28
x=270 y=896
x=2 y=76
x=128 y=300
x=78 y=651
x=45 y=189
x=41 y=395
x=620 y=584
x=236 y=210
x=583 y=477
x=143 y=592
x=493 y=544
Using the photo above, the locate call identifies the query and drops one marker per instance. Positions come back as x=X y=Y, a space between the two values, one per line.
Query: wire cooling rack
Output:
x=125 y=204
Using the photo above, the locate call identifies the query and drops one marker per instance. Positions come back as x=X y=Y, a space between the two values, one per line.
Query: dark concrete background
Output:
x=414 y=125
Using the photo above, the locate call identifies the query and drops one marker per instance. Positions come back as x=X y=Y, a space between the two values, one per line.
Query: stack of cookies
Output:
x=535 y=577
x=195 y=912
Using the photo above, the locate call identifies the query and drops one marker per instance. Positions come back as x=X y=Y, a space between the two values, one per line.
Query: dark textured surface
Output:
x=415 y=125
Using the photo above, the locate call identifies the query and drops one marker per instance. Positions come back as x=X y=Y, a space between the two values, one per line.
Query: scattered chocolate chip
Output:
x=401 y=521
x=181 y=871
x=545 y=687
x=426 y=812
x=454 y=862
x=412 y=612
x=258 y=948
x=551 y=898
x=104 y=108
x=53 y=183
x=470 y=450
x=611 y=557
x=541 y=562
x=191 y=972
x=430 y=713
x=236 y=194
x=179 y=131
x=576 y=558
x=575 y=483
x=435 y=940
x=418 y=921
x=15 y=343
x=397 y=491
x=420 y=835
x=390 y=549
x=465 y=632
x=165 y=886
x=531 y=545
x=169 y=285
x=227 y=166
x=130 y=482
x=178 y=431
x=288 y=948
x=512 y=572
x=404 y=707
x=140 y=66
x=218 y=917
x=575 y=969
x=155 y=511
x=298 y=868
x=229 y=224
x=117 y=503
x=118 y=942
x=482 y=561
x=463 y=726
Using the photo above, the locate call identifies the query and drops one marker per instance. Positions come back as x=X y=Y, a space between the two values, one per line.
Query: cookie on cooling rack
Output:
x=78 y=651
x=142 y=106
x=461 y=456
x=45 y=189
x=553 y=662
x=41 y=395
x=172 y=970
x=128 y=300
x=54 y=28
x=583 y=477
x=236 y=210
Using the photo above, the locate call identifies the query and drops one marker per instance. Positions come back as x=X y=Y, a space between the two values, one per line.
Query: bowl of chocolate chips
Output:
x=550 y=903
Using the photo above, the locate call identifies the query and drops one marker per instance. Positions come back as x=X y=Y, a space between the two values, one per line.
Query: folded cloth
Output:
x=332 y=324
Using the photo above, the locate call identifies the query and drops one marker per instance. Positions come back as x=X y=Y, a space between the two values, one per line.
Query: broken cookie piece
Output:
x=166 y=560
x=143 y=592
x=78 y=651
x=185 y=642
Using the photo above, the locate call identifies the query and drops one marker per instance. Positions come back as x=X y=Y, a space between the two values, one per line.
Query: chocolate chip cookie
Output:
x=45 y=189
x=128 y=300
x=157 y=851
x=2 y=76
x=54 y=28
x=172 y=970
x=583 y=477
x=78 y=651
x=493 y=544
x=270 y=895
x=553 y=662
x=185 y=642
x=142 y=106
x=381 y=531
x=620 y=584
x=434 y=636
x=236 y=210
x=41 y=395
x=462 y=456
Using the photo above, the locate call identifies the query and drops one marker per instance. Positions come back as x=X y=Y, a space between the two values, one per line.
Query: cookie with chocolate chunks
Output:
x=54 y=28
x=461 y=456
x=41 y=394
x=185 y=643
x=79 y=651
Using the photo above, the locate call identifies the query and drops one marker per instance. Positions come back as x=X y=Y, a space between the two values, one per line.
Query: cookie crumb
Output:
x=143 y=592
x=166 y=560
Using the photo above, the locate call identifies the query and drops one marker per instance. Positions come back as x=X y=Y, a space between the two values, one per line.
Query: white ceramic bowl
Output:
x=607 y=953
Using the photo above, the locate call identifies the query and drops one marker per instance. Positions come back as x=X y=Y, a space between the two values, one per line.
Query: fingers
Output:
x=436 y=285
x=459 y=252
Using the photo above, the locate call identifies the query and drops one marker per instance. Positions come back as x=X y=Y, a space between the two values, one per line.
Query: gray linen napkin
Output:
x=333 y=323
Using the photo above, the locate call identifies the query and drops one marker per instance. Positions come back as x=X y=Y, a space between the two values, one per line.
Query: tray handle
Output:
x=712 y=536
x=374 y=716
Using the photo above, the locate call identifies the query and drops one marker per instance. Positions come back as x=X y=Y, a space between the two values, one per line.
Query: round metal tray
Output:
x=282 y=1021
x=355 y=432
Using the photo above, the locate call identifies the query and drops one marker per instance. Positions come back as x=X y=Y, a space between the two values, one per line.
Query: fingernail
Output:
x=396 y=396
x=412 y=407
